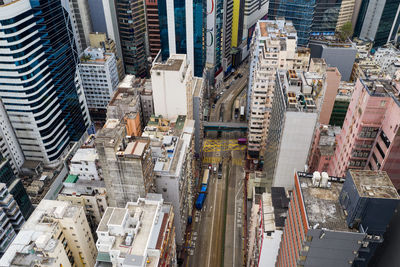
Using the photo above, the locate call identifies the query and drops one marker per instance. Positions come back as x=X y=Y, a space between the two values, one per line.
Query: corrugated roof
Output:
x=71 y=179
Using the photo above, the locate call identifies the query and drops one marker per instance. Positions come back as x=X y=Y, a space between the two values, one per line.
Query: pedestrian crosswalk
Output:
x=216 y=160
x=216 y=145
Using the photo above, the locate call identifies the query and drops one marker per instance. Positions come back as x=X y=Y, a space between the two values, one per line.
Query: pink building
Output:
x=323 y=148
x=332 y=84
x=370 y=136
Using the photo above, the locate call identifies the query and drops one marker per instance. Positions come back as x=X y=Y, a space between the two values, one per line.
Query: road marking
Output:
x=234 y=228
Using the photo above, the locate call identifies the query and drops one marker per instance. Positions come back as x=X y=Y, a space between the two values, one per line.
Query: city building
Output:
x=132 y=33
x=146 y=100
x=174 y=173
x=182 y=31
x=245 y=16
x=227 y=36
x=385 y=56
x=126 y=105
x=366 y=69
x=16 y=189
x=197 y=113
x=273 y=46
x=81 y=23
x=323 y=148
x=141 y=234
x=378 y=21
x=172 y=87
x=332 y=82
x=9 y=145
x=56 y=234
x=332 y=221
x=125 y=162
x=100 y=40
x=370 y=134
x=326 y=15
x=342 y=102
x=84 y=164
x=268 y=213
x=295 y=109
x=90 y=194
x=8 y=233
x=363 y=48
x=337 y=53
x=300 y=13
x=9 y=205
x=46 y=105
x=345 y=13
x=98 y=71
x=153 y=27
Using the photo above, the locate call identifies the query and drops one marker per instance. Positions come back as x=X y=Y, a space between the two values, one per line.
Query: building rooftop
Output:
x=373 y=184
x=174 y=63
x=80 y=187
x=327 y=140
x=276 y=29
x=332 y=41
x=382 y=88
x=322 y=205
x=93 y=55
x=133 y=230
x=300 y=90
x=345 y=91
x=84 y=154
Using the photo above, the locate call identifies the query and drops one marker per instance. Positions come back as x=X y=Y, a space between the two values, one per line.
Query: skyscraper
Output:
x=326 y=15
x=301 y=14
x=182 y=26
x=132 y=33
x=378 y=20
x=40 y=85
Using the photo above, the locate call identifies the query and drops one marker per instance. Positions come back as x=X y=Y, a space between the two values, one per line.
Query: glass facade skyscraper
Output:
x=325 y=17
x=182 y=31
x=39 y=82
x=301 y=13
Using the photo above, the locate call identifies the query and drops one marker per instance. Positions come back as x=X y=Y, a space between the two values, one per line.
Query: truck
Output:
x=237 y=106
x=204 y=182
x=200 y=201
x=242 y=112
x=220 y=170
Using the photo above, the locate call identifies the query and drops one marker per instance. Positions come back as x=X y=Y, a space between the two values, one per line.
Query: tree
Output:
x=346 y=31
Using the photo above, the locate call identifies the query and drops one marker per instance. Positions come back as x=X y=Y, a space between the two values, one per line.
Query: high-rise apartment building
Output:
x=172 y=87
x=273 y=46
x=16 y=189
x=8 y=232
x=9 y=205
x=9 y=145
x=378 y=21
x=100 y=40
x=227 y=35
x=153 y=27
x=174 y=177
x=84 y=164
x=99 y=76
x=57 y=234
x=182 y=26
x=140 y=234
x=294 y=115
x=132 y=33
x=126 y=164
x=81 y=23
x=341 y=103
x=41 y=91
x=345 y=13
x=332 y=221
x=370 y=134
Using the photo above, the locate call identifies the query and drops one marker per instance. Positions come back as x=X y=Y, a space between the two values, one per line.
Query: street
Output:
x=216 y=237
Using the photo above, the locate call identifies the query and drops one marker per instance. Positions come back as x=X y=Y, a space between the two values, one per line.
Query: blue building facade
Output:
x=369 y=200
x=301 y=13
x=40 y=86
x=178 y=33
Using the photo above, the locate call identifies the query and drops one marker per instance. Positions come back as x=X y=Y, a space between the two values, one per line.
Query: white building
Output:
x=141 y=234
x=172 y=83
x=9 y=145
x=84 y=164
x=385 y=56
x=273 y=46
x=47 y=111
x=99 y=76
x=56 y=234
x=174 y=175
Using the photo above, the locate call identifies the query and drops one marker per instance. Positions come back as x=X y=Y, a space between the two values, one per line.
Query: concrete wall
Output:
x=296 y=141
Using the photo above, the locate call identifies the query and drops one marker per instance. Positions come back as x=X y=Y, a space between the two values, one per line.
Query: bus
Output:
x=242 y=141
x=204 y=182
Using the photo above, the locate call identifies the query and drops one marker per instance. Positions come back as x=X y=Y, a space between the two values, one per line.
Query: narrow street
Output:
x=216 y=238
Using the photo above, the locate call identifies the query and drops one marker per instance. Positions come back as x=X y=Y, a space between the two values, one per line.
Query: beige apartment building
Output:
x=273 y=47
x=56 y=234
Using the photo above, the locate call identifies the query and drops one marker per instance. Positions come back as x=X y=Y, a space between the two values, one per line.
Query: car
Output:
x=209 y=167
x=213 y=106
x=218 y=96
x=240 y=75
x=215 y=169
x=221 y=93
x=236 y=115
x=228 y=87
